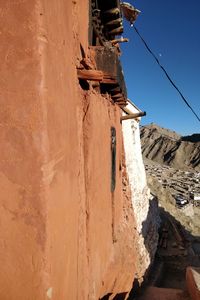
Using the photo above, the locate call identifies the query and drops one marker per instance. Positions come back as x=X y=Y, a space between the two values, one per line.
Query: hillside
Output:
x=167 y=147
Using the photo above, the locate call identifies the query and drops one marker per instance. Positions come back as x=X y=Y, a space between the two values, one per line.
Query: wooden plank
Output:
x=119 y=95
x=120 y=100
x=116 y=31
x=109 y=81
x=134 y=116
x=115 y=90
x=109 y=76
x=121 y=103
x=87 y=64
x=114 y=22
x=122 y=40
x=114 y=93
x=112 y=11
x=93 y=75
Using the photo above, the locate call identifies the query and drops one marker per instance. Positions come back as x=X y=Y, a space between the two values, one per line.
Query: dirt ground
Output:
x=179 y=243
x=167 y=202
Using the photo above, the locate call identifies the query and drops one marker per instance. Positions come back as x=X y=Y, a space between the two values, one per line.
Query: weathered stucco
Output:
x=63 y=234
x=144 y=205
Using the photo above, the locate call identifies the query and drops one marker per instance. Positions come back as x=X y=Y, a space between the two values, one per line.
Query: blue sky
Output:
x=172 y=30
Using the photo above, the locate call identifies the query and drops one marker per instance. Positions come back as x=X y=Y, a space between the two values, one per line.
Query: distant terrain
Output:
x=172 y=164
x=167 y=147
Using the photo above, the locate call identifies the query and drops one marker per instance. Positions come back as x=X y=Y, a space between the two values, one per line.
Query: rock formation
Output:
x=168 y=147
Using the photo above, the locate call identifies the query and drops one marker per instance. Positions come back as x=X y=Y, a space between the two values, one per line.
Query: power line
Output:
x=167 y=75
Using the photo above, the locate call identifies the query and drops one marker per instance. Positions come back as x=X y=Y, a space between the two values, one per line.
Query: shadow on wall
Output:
x=175 y=247
x=106 y=297
x=151 y=224
x=150 y=228
x=149 y=232
x=179 y=253
x=176 y=251
x=121 y=296
x=186 y=237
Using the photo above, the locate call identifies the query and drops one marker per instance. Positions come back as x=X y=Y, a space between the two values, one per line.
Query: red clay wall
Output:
x=63 y=235
x=110 y=244
x=22 y=131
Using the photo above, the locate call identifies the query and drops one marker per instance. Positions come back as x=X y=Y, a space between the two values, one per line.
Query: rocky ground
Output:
x=177 y=176
x=179 y=234
x=174 y=172
x=167 y=183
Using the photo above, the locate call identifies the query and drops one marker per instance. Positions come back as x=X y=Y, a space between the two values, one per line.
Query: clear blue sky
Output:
x=172 y=30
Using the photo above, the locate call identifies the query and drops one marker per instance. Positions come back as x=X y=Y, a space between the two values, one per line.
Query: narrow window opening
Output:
x=84 y=84
x=113 y=159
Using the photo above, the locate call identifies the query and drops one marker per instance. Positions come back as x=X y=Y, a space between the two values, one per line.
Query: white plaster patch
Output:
x=140 y=195
x=50 y=292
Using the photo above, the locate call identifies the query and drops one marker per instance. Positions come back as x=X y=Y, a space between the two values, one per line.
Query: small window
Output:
x=113 y=159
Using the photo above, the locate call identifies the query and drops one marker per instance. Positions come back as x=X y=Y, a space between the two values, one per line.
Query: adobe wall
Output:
x=23 y=204
x=63 y=234
x=110 y=242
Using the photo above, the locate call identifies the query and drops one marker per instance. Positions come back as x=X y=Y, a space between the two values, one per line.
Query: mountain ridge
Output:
x=170 y=148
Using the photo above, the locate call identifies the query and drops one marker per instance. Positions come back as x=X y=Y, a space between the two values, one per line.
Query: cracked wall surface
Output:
x=63 y=233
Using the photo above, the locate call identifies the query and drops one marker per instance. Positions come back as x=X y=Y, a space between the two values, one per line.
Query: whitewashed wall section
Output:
x=145 y=210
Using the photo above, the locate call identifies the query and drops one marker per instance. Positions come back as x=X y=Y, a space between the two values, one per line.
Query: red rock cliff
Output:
x=63 y=233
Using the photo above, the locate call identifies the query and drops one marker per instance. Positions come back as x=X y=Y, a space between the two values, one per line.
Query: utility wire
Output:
x=167 y=75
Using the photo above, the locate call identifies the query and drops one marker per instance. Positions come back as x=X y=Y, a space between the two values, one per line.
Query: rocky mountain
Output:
x=167 y=147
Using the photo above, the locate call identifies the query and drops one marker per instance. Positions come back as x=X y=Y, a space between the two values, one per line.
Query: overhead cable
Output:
x=167 y=75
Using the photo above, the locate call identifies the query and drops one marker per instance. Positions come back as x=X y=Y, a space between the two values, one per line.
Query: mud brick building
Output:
x=67 y=229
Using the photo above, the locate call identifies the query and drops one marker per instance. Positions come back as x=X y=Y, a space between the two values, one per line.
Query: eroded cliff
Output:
x=168 y=147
